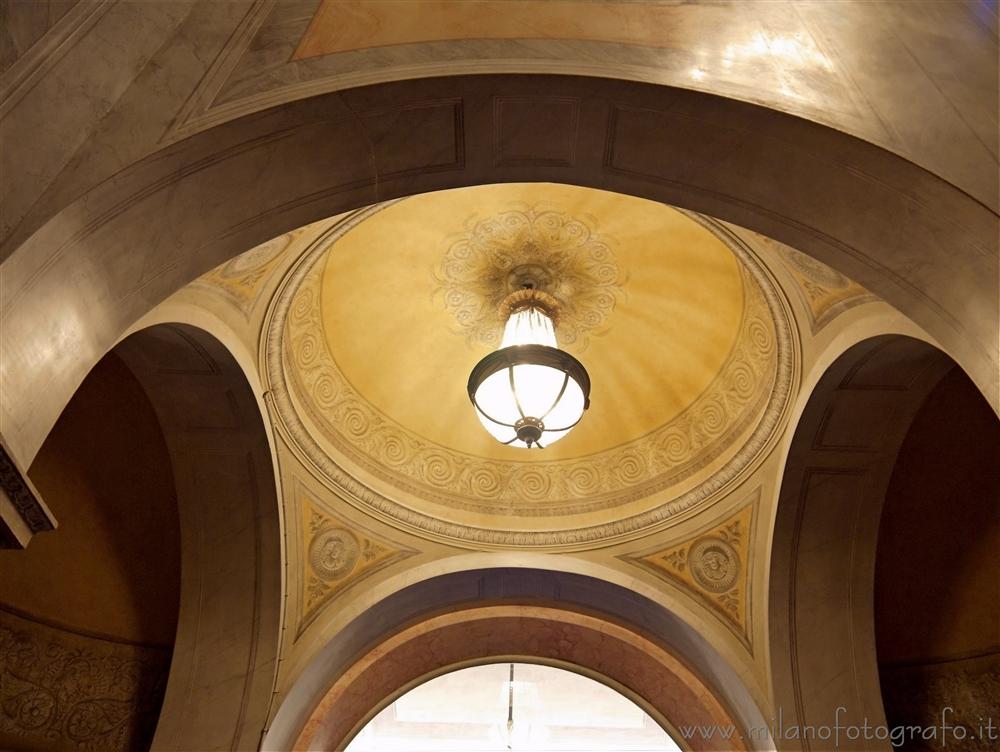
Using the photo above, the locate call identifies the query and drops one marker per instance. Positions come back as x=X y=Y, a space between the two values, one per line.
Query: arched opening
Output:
x=887 y=415
x=483 y=616
x=937 y=573
x=88 y=614
x=512 y=706
x=152 y=615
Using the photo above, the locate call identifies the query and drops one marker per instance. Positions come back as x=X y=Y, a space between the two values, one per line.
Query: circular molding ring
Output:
x=346 y=486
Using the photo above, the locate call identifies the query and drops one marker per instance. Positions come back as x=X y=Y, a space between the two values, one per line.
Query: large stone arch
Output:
x=472 y=616
x=90 y=271
x=822 y=571
x=225 y=654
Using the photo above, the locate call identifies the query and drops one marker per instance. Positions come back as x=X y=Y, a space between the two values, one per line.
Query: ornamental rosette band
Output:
x=454 y=496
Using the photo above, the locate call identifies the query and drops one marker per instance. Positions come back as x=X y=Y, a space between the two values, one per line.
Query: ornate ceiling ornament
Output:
x=825 y=292
x=337 y=556
x=333 y=551
x=558 y=254
x=61 y=689
x=463 y=498
x=713 y=565
x=240 y=281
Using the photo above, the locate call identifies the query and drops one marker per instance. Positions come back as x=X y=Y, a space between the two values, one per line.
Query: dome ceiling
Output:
x=374 y=331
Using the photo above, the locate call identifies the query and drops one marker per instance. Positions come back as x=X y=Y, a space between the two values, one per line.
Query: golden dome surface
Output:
x=377 y=326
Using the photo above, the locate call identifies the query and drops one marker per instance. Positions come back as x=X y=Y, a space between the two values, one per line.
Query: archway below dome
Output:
x=480 y=616
x=230 y=541
x=826 y=535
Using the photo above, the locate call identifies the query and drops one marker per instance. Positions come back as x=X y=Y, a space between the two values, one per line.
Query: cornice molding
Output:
x=22 y=512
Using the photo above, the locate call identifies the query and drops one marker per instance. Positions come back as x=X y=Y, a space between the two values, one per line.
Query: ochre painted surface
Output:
x=112 y=567
x=713 y=565
x=674 y=310
x=376 y=327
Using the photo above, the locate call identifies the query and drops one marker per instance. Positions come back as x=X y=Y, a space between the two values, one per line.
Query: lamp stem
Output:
x=510 y=709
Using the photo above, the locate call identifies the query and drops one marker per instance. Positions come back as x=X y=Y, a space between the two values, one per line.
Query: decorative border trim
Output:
x=22 y=496
x=43 y=55
x=218 y=73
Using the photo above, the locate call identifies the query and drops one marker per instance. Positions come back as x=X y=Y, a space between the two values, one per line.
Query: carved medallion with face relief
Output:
x=333 y=553
x=714 y=564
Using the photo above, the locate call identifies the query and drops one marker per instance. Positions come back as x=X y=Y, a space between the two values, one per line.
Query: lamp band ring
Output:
x=542 y=355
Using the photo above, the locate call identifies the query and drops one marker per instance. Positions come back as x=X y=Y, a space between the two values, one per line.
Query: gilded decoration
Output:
x=73 y=691
x=826 y=292
x=713 y=565
x=241 y=279
x=558 y=254
x=337 y=556
x=383 y=466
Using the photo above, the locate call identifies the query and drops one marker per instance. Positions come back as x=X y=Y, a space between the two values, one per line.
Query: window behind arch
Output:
x=481 y=708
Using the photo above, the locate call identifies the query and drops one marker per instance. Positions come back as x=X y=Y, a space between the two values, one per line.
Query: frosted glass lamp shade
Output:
x=529 y=395
x=529 y=392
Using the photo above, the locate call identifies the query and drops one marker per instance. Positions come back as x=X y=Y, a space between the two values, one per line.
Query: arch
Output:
x=88 y=615
x=937 y=571
x=473 y=615
x=225 y=654
x=86 y=274
x=822 y=567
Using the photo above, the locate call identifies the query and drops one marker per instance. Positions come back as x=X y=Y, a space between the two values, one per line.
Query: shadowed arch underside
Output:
x=225 y=655
x=823 y=552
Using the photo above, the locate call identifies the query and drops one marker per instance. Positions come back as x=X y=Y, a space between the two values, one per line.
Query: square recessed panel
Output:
x=536 y=130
